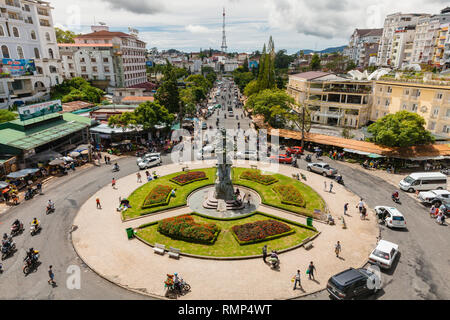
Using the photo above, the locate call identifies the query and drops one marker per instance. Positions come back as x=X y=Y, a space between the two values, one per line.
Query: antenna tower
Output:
x=224 y=37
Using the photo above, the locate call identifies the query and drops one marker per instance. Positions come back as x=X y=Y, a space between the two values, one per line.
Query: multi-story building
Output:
x=442 y=40
x=360 y=41
x=392 y=23
x=332 y=100
x=428 y=98
x=27 y=37
x=402 y=46
x=124 y=55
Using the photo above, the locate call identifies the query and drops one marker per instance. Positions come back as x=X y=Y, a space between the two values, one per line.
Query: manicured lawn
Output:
x=138 y=196
x=226 y=245
x=271 y=198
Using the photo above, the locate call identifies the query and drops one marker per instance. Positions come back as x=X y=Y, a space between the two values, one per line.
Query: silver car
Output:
x=148 y=156
x=149 y=163
x=322 y=168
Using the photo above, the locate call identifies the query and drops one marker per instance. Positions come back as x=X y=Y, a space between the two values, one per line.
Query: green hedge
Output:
x=192 y=181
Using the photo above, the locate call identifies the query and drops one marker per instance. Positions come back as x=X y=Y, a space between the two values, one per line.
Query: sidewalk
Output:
x=101 y=242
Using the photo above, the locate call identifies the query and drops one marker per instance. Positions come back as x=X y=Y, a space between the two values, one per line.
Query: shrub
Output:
x=189 y=177
x=290 y=195
x=160 y=195
x=186 y=229
x=260 y=231
x=256 y=176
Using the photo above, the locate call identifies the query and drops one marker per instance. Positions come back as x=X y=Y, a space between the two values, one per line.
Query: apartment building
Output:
x=428 y=98
x=30 y=62
x=362 y=44
x=442 y=44
x=392 y=24
x=332 y=100
x=126 y=57
x=402 y=46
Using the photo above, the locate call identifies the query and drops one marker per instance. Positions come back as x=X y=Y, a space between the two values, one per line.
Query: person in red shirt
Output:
x=114 y=183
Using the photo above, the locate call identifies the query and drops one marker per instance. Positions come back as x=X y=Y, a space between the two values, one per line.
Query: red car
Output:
x=282 y=158
x=294 y=150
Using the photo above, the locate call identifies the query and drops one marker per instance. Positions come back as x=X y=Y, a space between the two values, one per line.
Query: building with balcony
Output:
x=27 y=33
x=428 y=98
x=331 y=99
x=362 y=44
x=402 y=46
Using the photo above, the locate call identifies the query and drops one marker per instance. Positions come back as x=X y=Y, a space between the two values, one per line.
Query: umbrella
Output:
x=74 y=154
x=3 y=184
x=84 y=152
x=56 y=162
x=67 y=159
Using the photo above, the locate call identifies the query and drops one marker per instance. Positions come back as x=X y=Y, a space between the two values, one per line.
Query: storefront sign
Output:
x=19 y=67
x=40 y=109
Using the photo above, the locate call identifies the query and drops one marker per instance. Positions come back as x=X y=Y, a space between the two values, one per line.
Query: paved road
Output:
x=421 y=273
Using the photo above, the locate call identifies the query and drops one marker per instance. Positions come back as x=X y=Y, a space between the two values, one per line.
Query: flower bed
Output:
x=159 y=196
x=290 y=195
x=256 y=176
x=184 y=179
x=260 y=231
x=186 y=229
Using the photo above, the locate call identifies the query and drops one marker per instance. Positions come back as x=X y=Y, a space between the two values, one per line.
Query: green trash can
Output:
x=309 y=222
x=130 y=233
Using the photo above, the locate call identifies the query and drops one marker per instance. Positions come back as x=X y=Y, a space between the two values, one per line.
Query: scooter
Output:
x=50 y=210
x=340 y=180
x=34 y=229
x=115 y=169
x=396 y=200
x=308 y=158
x=7 y=251
x=274 y=263
x=16 y=230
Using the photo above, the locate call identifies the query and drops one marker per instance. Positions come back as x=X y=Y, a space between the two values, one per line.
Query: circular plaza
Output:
x=221 y=250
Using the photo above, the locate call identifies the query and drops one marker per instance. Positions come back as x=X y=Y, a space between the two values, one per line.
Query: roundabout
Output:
x=100 y=241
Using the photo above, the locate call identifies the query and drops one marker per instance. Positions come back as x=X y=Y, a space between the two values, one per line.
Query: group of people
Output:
x=438 y=213
x=247 y=197
x=334 y=155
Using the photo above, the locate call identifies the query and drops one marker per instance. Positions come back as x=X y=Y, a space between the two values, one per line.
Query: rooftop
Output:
x=137 y=99
x=311 y=75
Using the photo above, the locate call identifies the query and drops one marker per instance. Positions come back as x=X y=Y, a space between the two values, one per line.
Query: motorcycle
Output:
x=183 y=287
x=116 y=169
x=35 y=229
x=308 y=158
x=396 y=200
x=29 y=194
x=16 y=229
x=340 y=180
x=50 y=210
x=8 y=250
x=30 y=264
x=274 y=263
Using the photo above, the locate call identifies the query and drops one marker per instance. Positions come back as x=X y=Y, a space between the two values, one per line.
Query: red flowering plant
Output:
x=260 y=231
x=290 y=195
x=185 y=228
x=256 y=176
x=189 y=177
x=160 y=195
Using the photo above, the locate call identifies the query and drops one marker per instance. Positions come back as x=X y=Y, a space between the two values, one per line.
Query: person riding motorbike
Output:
x=339 y=179
x=35 y=223
x=16 y=226
x=177 y=282
x=116 y=167
x=395 y=196
x=6 y=242
x=32 y=255
x=50 y=205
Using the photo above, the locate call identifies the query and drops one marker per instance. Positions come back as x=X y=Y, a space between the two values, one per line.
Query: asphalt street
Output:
x=421 y=272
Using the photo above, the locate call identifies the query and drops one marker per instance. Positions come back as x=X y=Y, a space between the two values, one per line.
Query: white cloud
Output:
x=198 y=29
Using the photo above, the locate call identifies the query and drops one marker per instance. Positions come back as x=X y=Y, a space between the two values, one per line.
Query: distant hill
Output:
x=327 y=50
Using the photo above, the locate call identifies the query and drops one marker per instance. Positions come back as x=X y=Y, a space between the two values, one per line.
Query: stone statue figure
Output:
x=224 y=186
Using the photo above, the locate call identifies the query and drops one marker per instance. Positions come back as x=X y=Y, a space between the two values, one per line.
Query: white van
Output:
x=424 y=181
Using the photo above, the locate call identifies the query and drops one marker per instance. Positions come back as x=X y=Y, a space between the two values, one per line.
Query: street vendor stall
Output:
x=19 y=178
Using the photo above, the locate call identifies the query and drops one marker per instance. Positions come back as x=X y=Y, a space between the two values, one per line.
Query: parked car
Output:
x=322 y=168
x=247 y=155
x=282 y=158
x=391 y=216
x=148 y=156
x=204 y=126
x=384 y=254
x=294 y=150
x=434 y=197
x=424 y=181
x=351 y=284
x=149 y=163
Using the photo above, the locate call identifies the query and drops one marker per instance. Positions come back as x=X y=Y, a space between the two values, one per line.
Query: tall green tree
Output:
x=168 y=94
x=315 y=62
x=402 y=129
x=149 y=114
x=64 y=36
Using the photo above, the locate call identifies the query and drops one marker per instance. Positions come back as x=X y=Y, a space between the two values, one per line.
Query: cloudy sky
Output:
x=193 y=24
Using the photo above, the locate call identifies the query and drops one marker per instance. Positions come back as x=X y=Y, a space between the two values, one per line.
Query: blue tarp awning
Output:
x=22 y=173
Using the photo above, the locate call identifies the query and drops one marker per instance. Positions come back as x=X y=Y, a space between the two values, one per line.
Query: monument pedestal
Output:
x=212 y=203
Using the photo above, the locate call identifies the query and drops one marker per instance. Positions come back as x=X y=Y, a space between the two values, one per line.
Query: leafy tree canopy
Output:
x=64 y=36
x=402 y=129
x=6 y=115
x=315 y=62
x=77 y=89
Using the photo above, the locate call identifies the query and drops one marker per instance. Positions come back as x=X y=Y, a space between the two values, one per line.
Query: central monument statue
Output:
x=224 y=186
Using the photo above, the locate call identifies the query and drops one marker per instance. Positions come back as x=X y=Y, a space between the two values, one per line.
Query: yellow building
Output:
x=430 y=99
x=332 y=100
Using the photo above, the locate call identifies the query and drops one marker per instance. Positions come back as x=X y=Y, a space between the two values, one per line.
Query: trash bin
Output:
x=309 y=222
x=130 y=233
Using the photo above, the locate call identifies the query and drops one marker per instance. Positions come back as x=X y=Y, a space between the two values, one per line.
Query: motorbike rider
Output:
x=35 y=223
x=32 y=255
x=116 y=167
x=177 y=282
x=6 y=241
x=339 y=178
x=50 y=205
x=274 y=258
x=395 y=196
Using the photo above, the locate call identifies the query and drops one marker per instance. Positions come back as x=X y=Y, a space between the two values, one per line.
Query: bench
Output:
x=185 y=169
x=254 y=167
x=159 y=248
x=309 y=246
x=174 y=253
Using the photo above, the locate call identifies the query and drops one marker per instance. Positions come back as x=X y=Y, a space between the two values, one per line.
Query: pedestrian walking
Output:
x=363 y=213
x=106 y=159
x=139 y=178
x=345 y=209
x=248 y=199
x=113 y=183
x=337 y=248
x=264 y=252
x=360 y=205
x=331 y=187
x=297 y=280
x=325 y=185
x=51 y=276
x=310 y=271
x=99 y=206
